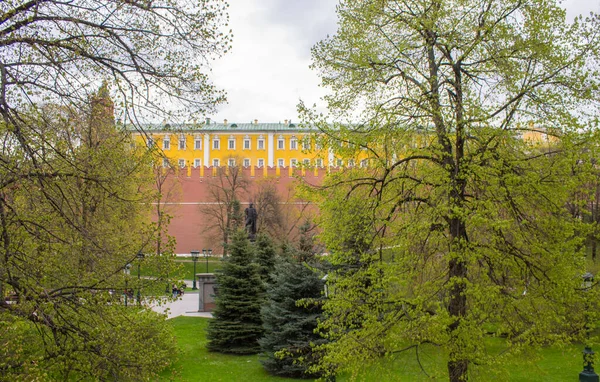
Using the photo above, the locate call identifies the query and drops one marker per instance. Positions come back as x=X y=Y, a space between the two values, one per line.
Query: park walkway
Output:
x=186 y=305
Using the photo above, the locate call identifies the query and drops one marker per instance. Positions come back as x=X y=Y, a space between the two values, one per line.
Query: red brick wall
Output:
x=188 y=193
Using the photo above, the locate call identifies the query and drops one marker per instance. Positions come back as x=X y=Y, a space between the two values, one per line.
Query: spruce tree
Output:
x=306 y=243
x=290 y=318
x=237 y=326
x=265 y=256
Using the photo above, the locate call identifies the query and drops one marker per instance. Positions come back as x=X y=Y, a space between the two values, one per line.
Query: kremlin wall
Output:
x=193 y=154
x=189 y=191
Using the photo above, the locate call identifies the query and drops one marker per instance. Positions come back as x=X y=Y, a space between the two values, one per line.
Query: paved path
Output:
x=186 y=305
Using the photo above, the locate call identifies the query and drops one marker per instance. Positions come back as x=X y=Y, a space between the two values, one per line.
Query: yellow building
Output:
x=254 y=145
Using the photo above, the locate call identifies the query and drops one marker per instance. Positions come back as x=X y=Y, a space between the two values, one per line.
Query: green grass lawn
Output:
x=549 y=365
x=195 y=363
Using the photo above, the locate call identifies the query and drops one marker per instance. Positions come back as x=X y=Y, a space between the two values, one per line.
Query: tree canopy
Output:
x=476 y=119
x=74 y=188
x=154 y=51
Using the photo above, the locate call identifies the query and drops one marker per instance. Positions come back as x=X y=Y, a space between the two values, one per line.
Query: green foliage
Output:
x=265 y=256
x=306 y=243
x=74 y=189
x=71 y=218
x=290 y=318
x=479 y=135
x=237 y=324
x=124 y=344
x=237 y=216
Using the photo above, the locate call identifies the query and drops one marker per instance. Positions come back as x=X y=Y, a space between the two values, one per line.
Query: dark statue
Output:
x=251 y=216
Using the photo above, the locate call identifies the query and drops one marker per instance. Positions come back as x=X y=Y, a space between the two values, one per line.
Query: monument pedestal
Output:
x=206 y=291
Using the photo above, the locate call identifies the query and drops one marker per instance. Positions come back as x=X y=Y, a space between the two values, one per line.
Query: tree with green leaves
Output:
x=476 y=121
x=237 y=325
x=66 y=319
x=74 y=193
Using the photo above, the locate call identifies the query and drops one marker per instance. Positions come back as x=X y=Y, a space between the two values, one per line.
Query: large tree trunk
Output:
x=457 y=274
x=457 y=306
x=452 y=157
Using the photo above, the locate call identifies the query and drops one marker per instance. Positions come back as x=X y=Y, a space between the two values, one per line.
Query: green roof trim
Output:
x=217 y=127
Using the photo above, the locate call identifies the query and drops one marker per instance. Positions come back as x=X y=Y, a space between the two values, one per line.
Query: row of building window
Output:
x=261 y=163
x=247 y=144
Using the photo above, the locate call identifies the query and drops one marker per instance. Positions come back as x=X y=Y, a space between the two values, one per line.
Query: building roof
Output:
x=220 y=127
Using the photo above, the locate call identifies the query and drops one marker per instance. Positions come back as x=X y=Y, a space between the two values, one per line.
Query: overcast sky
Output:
x=267 y=72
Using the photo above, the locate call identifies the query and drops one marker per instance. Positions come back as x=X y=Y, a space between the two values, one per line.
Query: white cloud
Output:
x=267 y=71
x=580 y=7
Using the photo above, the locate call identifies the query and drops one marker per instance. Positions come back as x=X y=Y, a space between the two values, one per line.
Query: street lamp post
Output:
x=139 y=256
x=207 y=253
x=126 y=270
x=588 y=374
x=195 y=255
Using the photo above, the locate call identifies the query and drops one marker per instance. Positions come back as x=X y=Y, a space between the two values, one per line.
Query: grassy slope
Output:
x=195 y=363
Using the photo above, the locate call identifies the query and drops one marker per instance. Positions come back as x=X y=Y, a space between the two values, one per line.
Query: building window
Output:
x=306 y=144
x=318 y=146
x=261 y=163
x=216 y=144
x=280 y=143
x=197 y=163
x=306 y=162
x=198 y=143
x=246 y=143
x=363 y=163
x=215 y=163
x=293 y=162
x=280 y=163
x=165 y=162
x=231 y=144
x=319 y=162
x=340 y=163
x=166 y=143
x=350 y=162
x=246 y=162
x=182 y=143
x=182 y=163
x=293 y=143
x=260 y=144
x=150 y=142
x=231 y=162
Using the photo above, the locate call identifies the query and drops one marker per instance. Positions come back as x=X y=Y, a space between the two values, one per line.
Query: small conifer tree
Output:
x=265 y=257
x=306 y=243
x=237 y=325
x=290 y=318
